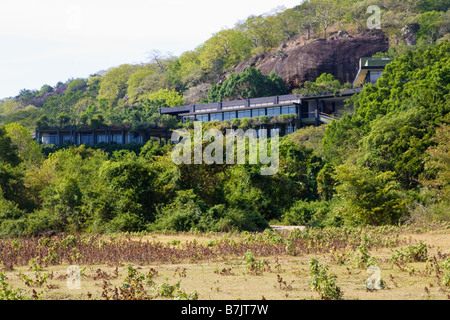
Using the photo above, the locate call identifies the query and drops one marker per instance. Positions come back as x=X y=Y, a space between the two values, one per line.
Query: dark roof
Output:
x=255 y=103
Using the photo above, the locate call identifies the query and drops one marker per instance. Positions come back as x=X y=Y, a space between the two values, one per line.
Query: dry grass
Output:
x=213 y=265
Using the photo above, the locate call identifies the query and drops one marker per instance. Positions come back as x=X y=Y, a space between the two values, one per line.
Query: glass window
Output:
x=273 y=111
x=276 y=130
x=216 y=116
x=117 y=138
x=133 y=138
x=202 y=117
x=67 y=139
x=258 y=112
x=86 y=138
x=102 y=138
x=229 y=115
x=288 y=110
x=373 y=76
x=50 y=138
x=290 y=129
x=244 y=114
x=292 y=109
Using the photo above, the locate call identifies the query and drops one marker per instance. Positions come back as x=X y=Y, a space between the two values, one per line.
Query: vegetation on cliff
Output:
x=384 y=163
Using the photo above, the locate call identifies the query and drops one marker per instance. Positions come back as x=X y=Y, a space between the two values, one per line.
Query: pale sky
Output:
x=46 y=41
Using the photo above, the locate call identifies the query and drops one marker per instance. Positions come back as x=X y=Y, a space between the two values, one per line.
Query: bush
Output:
x=370 y=197
x=183 y=214
x=7 y=292
x=126 y=222
x=13 y=228
x=417 y=253
x=323 y=282
x=303 y=212
x=41 y=221
x=239 y=219
x=9 y=209
x=187 y=212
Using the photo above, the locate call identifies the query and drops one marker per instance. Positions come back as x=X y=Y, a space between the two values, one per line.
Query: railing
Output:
x=328 y=115
x=327 y=118
x=236 y=104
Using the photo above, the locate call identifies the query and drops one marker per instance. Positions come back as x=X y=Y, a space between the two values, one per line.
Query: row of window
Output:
x=88 y=138
x=240 y=114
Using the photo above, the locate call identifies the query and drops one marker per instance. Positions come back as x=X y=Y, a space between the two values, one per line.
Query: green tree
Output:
x=8 y=151
x=248 y=84
x=28 y=149
x=395 y=119
x=169 y=98
x=69 y=191
x=325 y=83
x=309 y=21
x=437 y=163
x=228 y=46
x=137 y=84
x=113 y=85
x=184 y=213
x=27 y=116
x=430 y=5
x=130 y=195
x=430 y=23
x=436 y=176
x=326 y=182
x=262 y=31
x=326 y=13
x=370 y=198
x=311 y=137
x=288 y=21
x=76 y=85
x=396 y=143
x=190 y=69
x=9 y=106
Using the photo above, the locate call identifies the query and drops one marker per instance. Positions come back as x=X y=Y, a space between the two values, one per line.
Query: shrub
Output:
x=362 y=257
x=254 y=266
x=322 y=282
x=417 y=253
x=187 y=212
x=303 y=212
x=7 y=292
x=239 y=219
x=370 y=197
x=126 y=222
x=183 y=214
x=446 y=277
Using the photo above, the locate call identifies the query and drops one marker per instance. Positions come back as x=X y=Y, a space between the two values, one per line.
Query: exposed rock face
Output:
x=409 y=33
x=302 y=61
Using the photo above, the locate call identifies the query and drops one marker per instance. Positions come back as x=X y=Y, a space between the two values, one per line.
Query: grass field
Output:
x=414 y=263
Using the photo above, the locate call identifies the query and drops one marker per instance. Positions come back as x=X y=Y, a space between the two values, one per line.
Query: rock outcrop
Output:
x=409 y=33
x=300 y=61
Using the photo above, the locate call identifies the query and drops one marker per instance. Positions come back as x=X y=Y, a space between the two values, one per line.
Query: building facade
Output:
x=73 y=135
x=370 y=70
x=285 y=113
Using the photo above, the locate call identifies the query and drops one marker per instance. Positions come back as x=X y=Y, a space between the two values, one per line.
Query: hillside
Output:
x=385 y=163
x=297 y=44
x=301 y=60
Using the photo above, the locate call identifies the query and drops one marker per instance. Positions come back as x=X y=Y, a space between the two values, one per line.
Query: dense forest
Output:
x=386 y=162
